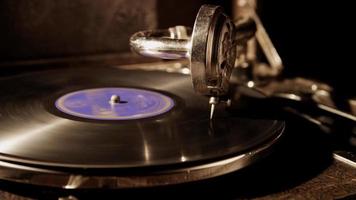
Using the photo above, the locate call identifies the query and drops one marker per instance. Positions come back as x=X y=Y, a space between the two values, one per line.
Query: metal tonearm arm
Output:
x=210 y=48
x=217 y=46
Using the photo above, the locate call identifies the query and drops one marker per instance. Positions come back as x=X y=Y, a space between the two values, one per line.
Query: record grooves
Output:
x=35 y=133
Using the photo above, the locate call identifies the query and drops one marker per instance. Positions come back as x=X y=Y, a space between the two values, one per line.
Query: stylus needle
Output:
x=212 y=109
x=213 y=101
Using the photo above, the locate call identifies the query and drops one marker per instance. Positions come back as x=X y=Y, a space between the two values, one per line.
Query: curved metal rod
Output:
x=175 y=42
x=172 y=43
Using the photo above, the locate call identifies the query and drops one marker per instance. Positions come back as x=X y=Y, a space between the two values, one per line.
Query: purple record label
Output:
x=114 y=103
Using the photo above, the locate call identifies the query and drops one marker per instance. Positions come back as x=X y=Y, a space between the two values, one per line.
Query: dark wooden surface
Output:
x=335 y=182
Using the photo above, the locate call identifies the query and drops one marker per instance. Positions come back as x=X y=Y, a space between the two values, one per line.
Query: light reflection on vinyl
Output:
x=33 y=130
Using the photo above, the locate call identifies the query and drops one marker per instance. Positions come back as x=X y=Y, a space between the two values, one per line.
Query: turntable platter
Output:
x=33 y=131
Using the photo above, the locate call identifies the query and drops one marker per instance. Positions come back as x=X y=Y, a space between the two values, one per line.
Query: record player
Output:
x=210 y=113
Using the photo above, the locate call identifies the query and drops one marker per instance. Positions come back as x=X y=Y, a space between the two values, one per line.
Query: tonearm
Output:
x=216 y=47
x=211 y=48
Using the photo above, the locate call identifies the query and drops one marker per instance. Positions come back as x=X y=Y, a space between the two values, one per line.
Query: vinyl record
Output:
x=41 y=123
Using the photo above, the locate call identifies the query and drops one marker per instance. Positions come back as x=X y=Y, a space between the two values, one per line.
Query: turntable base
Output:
x=168 y=140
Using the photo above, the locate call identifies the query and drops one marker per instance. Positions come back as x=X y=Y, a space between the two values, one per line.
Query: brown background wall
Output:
x=33 y=29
